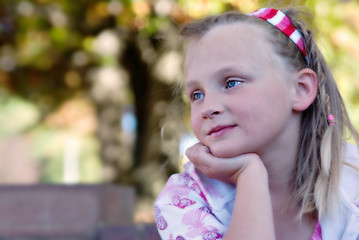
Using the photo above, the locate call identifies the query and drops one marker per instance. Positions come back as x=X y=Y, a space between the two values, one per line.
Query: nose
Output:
x=209 y=113
x=211 y=108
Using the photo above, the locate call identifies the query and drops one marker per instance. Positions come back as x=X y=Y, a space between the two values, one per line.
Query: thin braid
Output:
x=325 y=160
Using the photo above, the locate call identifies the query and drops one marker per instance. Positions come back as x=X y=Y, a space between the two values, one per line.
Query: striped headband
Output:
x=283 y=23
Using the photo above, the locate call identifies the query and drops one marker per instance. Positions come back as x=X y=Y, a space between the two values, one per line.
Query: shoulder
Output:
x=350 y=178
x=192 y=205
x=351 y=154
x=343 y=222
x=350 y=171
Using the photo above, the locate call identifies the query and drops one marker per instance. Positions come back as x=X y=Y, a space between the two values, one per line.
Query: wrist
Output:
x=255 y=172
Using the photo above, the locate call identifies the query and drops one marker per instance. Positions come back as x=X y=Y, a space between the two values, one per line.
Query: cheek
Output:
x=195 y=123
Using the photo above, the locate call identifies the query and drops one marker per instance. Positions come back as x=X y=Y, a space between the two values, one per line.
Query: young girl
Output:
x=271 y=162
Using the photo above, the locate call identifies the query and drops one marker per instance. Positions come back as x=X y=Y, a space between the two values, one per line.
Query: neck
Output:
x=280 y=161
x=280 y=173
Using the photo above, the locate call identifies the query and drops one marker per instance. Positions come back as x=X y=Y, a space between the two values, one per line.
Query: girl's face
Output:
x=240 y=91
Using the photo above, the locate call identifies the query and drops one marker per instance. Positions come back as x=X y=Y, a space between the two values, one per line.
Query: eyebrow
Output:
x=230 y=69
x=190 y=83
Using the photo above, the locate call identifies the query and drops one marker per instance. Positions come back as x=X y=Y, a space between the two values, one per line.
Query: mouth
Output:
x=221 y=130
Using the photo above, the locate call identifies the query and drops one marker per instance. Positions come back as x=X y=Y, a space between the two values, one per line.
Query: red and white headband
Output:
x=283 y=23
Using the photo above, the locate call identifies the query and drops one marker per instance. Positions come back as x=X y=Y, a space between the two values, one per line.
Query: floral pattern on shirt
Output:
x=191 y=207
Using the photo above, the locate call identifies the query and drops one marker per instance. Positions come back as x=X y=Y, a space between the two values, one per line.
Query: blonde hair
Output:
x=319 y=162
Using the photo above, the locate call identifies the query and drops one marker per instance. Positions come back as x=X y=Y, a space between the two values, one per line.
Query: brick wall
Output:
x=135 y=232
x=63 y=212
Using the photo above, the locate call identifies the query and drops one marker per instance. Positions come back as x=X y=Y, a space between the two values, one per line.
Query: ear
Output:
x=305 y=89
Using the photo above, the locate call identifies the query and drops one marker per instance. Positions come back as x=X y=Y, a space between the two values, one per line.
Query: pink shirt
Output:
x=193 y=206
x=317 y=232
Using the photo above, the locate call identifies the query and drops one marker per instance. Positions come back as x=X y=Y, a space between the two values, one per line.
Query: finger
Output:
x=196 y=150
x=208 y=164
x=199 y=155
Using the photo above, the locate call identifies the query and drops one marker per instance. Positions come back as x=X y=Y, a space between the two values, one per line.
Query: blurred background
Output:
x=88 y=89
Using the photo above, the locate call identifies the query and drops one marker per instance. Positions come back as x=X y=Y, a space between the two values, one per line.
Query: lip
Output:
x=221 y=130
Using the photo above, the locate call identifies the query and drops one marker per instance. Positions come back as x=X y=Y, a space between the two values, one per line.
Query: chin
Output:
x=225 y=152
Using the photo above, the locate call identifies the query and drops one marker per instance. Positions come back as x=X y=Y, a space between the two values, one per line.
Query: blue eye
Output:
x=196 y=96
x=232 y=83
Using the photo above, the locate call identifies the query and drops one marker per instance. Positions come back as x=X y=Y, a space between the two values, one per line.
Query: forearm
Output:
x=252 y=214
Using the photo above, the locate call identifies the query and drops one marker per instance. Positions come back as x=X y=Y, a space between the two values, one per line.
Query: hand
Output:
x=224 y=169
